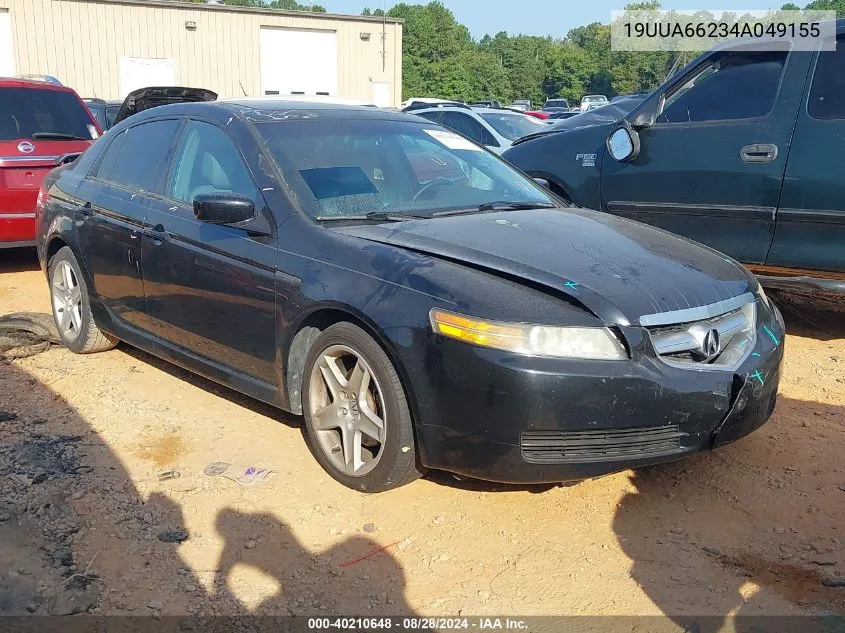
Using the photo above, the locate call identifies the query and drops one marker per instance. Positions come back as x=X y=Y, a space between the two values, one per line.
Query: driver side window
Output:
x=738 y=85
x=207 y=161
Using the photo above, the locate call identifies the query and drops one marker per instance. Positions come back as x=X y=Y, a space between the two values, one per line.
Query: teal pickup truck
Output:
x=742 y=150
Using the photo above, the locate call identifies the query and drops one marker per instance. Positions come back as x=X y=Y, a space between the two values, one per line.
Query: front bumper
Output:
x=484 y=413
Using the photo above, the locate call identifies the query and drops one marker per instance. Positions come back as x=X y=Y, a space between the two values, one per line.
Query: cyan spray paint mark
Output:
x=743 y=343
x=757 y=354
x=771 y=335
x=571 y=284
x=758 y=376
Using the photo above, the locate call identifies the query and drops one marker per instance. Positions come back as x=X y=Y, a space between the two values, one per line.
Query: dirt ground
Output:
x=753 y=528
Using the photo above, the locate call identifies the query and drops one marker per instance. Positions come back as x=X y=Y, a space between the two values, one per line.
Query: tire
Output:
x=79 y=333
x=341 y=416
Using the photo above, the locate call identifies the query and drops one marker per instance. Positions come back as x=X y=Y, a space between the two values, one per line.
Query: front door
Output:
x=211 y=288
x=111 y=215
x=810 y=233
x=711 y=166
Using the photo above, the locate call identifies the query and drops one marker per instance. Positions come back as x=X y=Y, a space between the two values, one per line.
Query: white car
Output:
x=417 y=100
x=493 y=128
x=589 y=100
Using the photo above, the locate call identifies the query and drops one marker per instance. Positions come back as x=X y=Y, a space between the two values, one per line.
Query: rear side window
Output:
x=469 y=127
x=43 y=114
x=827 y=95
x=143 y=155
x=435 y=116
x=104 y=168
x=738 y=85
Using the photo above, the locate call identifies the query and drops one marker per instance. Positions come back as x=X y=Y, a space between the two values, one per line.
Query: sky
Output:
x=544 y=17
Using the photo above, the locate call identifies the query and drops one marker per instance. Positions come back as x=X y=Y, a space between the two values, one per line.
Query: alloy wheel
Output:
x=67 y=300
x=347 y=410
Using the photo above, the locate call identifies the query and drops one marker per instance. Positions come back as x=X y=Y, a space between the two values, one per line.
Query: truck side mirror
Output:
x=624 y=143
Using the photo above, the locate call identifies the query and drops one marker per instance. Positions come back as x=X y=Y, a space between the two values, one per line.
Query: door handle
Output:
x=759 y=153
x=85 y=210
x=157 y=234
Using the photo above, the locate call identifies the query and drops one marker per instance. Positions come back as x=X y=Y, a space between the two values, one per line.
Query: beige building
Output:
x=107 y=48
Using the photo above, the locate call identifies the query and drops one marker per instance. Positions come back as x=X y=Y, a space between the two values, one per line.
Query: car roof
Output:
x=13 y=82
x=263 y=110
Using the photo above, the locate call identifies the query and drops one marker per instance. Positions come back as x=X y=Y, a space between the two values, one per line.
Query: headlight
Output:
x=596 y=343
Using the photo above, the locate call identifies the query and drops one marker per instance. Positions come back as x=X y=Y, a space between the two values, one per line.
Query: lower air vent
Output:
x=559 y=447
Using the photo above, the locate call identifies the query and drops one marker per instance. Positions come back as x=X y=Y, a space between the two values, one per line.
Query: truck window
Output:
x=736 y=85
x=827 y=94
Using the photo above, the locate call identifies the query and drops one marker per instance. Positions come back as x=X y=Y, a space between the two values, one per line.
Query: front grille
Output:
x=683 y=344
x=560 y=447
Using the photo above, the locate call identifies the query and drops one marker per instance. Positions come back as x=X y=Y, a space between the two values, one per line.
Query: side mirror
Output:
x=223 y=208
x=542 y=182
x=624 y=144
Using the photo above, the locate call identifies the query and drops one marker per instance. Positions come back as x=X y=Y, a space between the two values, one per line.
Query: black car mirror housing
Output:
x=223 y=208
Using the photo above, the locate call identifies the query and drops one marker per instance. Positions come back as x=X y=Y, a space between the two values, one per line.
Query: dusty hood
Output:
x=146 y=98
x=619 y=269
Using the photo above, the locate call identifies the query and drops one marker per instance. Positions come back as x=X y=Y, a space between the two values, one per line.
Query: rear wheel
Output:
x=357 y=419
x=71 y=307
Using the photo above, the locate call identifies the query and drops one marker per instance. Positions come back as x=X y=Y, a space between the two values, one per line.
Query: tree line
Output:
x=441 y=59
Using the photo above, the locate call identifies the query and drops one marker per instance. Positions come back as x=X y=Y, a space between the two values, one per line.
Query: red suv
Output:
x=42 y=125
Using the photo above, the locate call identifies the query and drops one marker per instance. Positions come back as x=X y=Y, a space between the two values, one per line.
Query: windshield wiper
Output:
x=59 y=136
x=372 y=216
x=500 y=205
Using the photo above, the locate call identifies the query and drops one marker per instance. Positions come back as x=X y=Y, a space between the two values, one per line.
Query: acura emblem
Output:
x=26 y=147
x=711 y=345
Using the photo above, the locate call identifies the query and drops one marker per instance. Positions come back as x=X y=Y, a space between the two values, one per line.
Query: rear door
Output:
x=38 y=126
x=211 y=288
x=110 y=220
x=712 y=165
x=810 y=232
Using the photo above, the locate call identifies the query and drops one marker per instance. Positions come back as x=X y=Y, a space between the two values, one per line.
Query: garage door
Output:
x=298 y=61
x=7 y=51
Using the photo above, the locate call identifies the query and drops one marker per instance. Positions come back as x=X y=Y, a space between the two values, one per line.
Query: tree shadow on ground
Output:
x=77 y=536
x=687 y=523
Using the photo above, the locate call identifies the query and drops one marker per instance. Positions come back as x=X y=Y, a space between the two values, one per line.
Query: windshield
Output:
x=512 y=126
x=29 y=112
x=351 y=167
x=593 y=99
x=557 y=103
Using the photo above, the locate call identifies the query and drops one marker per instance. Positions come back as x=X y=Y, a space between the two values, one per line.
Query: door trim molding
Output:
x=819 y=216
x=710 y=210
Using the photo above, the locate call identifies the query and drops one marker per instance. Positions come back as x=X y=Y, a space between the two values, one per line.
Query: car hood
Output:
x=146 y=98
x=617 y=269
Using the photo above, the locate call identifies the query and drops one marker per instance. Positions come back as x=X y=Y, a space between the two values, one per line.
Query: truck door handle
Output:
x=157 y=234
x=759 y=153
x=86 y=211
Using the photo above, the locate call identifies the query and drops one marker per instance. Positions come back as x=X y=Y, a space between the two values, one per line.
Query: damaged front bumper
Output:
x=512 y=419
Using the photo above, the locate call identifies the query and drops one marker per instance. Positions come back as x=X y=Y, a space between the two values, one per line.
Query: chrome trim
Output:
x=16 y=216
x=734 y=352
x=700 y=313
x=693 y=337
x=16 y=160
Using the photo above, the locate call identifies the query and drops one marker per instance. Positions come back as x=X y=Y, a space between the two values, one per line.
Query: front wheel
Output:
x=358 y=425
x=71 y=307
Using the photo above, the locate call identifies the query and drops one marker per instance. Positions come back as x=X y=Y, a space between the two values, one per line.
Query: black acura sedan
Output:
x=420 y=302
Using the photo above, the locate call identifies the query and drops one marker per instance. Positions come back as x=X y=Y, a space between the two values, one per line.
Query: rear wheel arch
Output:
x=54 y=246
